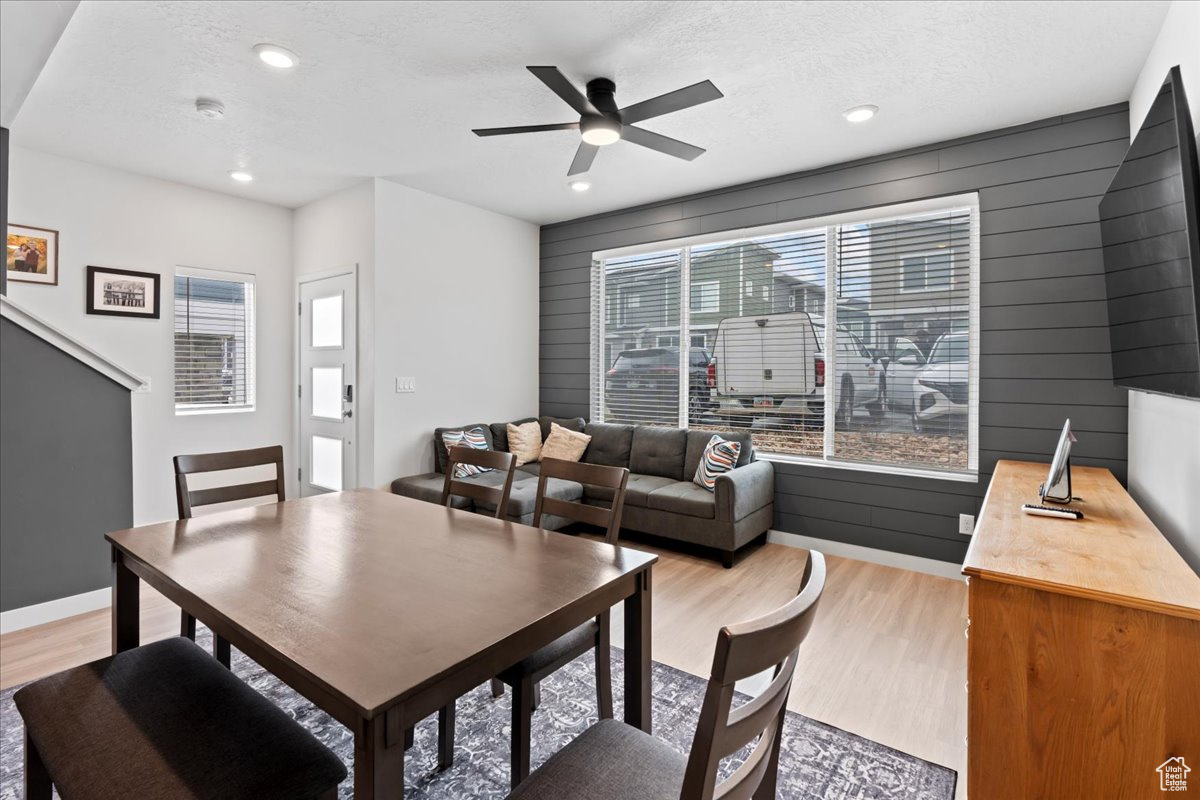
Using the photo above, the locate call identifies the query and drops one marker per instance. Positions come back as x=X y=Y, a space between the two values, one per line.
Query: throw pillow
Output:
x=525 y=442
x=719 y=456
x=564 y=444
x=473 y=438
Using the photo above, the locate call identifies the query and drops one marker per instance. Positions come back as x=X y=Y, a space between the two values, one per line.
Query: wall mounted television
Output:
x=1150 y=229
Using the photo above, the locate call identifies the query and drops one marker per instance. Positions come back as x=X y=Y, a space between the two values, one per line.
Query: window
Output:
x=927 y=272
x=214 y=341
x=706 y=297
x=895 y=389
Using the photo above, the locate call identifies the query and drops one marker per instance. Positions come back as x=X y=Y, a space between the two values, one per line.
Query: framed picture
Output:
x=32 y=255
x=122 y=292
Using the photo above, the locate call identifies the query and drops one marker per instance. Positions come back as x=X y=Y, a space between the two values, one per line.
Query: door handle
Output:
x=347 y=414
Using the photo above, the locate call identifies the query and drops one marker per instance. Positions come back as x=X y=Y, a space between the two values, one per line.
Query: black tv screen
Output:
x=1151 y=236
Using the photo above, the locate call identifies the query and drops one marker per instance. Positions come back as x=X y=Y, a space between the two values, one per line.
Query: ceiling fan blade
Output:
x=663 y=144
x=583 y=158
x=561 y=126
x=562 y=87
x=689 y=96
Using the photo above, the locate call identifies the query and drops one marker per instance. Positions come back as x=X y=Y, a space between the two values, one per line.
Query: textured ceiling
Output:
x=393 y=89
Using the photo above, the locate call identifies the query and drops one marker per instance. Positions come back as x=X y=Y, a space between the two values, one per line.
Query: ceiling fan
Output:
x=601 y=122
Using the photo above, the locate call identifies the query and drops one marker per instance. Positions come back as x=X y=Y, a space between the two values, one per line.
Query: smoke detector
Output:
x=211 y=109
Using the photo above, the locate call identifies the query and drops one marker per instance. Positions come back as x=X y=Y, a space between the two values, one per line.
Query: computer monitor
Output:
x=1057 y=488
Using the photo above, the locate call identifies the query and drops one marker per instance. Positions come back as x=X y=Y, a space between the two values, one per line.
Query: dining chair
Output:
x=187 y=499
x=116 y=728
x=474 y=490
x=613 y=761
x=464 y=487
x=526 y=675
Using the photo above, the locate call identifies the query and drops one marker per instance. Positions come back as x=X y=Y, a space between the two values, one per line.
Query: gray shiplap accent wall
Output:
x=1044 y=338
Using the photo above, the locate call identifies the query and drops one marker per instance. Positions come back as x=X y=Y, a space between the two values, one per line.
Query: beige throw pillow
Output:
x=564 y=444
x=525 y=442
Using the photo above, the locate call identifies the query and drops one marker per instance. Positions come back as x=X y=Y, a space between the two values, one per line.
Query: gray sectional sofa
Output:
x=660 y=498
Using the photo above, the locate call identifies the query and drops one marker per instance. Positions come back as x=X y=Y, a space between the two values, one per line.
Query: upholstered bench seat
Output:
x=168 y=721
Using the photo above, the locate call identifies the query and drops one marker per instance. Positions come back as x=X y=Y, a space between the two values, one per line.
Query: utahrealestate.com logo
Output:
x=1173 y=775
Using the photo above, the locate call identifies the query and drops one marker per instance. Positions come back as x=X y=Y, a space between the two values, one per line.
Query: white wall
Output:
x=1164 y=432
x=110 y=218
x=334 y=233
x=435 y=257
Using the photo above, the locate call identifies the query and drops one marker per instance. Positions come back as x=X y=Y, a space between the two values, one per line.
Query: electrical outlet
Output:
x=144 y=388
x=406 y=385
x=966 y=524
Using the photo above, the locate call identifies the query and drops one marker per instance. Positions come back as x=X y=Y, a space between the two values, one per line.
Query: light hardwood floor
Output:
x=886 y=657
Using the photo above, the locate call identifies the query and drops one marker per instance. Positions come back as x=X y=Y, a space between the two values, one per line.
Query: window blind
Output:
x=894 y=388
x=214 y=342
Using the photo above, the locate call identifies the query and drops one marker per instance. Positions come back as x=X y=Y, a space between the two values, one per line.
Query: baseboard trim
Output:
x=54 y=610
x=930 y=566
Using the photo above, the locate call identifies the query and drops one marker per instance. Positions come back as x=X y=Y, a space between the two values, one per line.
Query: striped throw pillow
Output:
x=475 y=439
x=720 y=455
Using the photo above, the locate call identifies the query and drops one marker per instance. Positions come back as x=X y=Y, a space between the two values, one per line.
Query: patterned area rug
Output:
x=818 y=762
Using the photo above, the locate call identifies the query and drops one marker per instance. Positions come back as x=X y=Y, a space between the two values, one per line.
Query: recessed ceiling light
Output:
x=579 y=185
x=241 y=176
x=210 y=108
x=275 y=56
x=860 y=113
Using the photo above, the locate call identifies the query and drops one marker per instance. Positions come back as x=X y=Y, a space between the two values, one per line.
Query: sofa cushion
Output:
x=439 y=447
x=534 y=469
x=637 y=490
x=610 y=444
x=658 y=451
x=698 y=440
x=500 y=432
x=570 y=423
x=720 y=456
x=525 y=442
x=427 y=487
x=564 y=444
x=523 y=497
x=684 y=498
x=475 y=439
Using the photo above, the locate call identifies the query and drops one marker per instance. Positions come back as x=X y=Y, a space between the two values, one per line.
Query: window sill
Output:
x=199 y=412
x=967 y=476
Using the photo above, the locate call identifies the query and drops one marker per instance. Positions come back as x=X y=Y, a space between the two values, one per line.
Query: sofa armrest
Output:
x=744 y=490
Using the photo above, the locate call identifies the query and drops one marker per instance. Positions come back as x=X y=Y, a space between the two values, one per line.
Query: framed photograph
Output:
x=122 y=292
x=32 y=255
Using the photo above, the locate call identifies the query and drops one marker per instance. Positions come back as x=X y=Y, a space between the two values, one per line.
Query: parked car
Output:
x=775 y=365
x=941 y=389
x=643 y=385
x=904 y=361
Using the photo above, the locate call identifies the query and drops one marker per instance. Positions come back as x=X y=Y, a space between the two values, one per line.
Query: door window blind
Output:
x=214 y=342
x=894 y=388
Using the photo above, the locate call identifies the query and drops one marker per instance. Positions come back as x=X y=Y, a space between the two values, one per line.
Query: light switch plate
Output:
x=966 y=524
x=406 y=385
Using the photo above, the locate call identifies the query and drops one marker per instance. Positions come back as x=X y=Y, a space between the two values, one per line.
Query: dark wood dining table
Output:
x=381 y=609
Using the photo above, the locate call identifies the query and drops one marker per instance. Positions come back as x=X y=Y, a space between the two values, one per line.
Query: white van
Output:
x=774 y=364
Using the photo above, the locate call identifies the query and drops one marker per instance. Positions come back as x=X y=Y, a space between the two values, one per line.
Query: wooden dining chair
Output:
x=526 y=675
x=187 y=499
x=484 y=459
x=613 y=761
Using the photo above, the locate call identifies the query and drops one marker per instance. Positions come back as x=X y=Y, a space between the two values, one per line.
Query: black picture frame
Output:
x=153 y=294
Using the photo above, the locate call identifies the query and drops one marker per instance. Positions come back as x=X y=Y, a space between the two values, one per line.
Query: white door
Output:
x=328 y=385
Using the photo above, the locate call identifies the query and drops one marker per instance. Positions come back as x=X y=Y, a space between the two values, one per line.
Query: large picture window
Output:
x=214 y=342
x=894 y=389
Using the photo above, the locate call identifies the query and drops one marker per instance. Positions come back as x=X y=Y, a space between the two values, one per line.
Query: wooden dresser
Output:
x=1083 y=646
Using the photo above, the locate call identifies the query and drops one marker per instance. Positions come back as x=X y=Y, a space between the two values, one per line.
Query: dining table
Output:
x=381 y=609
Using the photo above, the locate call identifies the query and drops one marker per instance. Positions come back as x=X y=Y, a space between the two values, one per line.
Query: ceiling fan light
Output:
x=600 y=131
